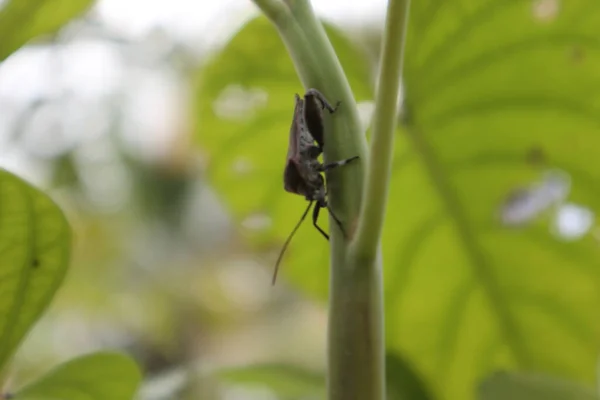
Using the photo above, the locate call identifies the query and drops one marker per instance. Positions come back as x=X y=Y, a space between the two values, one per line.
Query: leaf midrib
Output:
x=478 y=261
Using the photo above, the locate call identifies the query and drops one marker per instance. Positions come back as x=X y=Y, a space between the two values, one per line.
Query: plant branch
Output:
x=374 y=202
x=356 y=346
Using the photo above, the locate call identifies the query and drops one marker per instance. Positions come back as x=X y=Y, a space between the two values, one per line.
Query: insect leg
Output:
x=288 y=240
x=315 y=219
x=336 y=219
x=327 y=167
x=323 y=100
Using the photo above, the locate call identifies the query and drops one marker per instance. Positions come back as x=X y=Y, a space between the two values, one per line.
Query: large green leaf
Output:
x=23 y=20
x=248 y=143
x=489 y=84
x=35 y=243
x=513 y=386
x=97 y=376
x=496 y=91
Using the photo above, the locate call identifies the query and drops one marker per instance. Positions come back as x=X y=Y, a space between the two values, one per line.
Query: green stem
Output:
x=375 y=193
x=356 y=345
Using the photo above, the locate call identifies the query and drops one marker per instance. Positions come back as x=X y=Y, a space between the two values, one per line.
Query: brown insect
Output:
x=303 y=170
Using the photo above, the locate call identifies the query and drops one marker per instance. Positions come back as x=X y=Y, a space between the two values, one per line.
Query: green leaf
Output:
x=245 y=106
x=97 y=376
x=402 y=381
x=35 y=243
x=23 y=20
x=496 y=92
x=519 y=386
x=287 y=381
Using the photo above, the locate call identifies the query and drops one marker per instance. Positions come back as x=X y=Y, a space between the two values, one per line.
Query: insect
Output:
x=303 y=170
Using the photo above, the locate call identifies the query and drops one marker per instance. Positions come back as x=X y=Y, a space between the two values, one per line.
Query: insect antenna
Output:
x=287 y=242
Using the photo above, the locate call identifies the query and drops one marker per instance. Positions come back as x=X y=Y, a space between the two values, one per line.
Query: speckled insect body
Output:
x=303 y=170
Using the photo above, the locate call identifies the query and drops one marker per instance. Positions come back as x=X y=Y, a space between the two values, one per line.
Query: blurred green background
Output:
x=161 y=130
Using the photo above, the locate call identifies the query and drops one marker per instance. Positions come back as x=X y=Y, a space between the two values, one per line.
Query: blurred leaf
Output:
x=518 y=386
x=287 y=381
x=402 y=381
x=35 y=242
x=23 y=20
x=488 y=85
x=248 y=145
x=97 y=376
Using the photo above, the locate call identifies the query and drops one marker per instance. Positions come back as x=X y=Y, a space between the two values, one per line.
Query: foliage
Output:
x=517 y=386
x=23 y=20
x=97 y=376
x=496 y=92
x=35 y=240
x=464 y=294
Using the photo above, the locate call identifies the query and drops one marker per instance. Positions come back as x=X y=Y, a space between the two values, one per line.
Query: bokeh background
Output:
x=161 y=130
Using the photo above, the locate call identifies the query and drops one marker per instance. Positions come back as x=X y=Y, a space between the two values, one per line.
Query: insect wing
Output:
x=313 y=117
x=292 y=180
x=295 y=131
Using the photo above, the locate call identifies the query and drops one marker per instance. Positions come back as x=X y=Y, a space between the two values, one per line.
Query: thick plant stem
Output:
x=356 y=367
x=357 y=310
x=356 y=347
